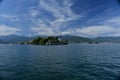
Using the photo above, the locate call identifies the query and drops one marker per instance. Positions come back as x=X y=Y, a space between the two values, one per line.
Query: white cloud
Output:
x=43 y=30
x=114 y=20
x=8 y=30
x=9 y=17
x=34 y=11
x=94 y=31
x=62 y=13
x=68 y=32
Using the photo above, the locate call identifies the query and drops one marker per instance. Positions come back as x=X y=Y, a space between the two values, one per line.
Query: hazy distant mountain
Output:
x=71 y=39
x=15 y=38
x=108 y=39
x=1 y=41
x=76 y=39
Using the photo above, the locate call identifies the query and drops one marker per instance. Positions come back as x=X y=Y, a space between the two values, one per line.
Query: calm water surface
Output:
x=64 y=62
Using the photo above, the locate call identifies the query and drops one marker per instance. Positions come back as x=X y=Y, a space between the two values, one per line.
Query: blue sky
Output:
x=89 y=18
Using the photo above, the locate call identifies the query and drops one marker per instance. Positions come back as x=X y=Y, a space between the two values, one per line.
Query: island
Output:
x=51 y=40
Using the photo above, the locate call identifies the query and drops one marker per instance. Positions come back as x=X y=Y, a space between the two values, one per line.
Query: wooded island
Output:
x=51 y=40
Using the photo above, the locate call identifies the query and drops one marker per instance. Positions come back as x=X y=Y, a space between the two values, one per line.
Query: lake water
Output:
x=64 y=62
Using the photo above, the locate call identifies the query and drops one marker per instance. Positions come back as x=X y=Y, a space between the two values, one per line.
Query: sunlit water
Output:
x=64 y=62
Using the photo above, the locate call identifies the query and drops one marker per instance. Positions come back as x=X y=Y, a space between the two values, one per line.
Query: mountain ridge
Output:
x=15 y=38
x=70 y=38
x=108 y=39
x=1 y=41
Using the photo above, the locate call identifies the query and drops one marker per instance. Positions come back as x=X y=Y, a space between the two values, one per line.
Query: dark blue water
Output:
x=64 y=62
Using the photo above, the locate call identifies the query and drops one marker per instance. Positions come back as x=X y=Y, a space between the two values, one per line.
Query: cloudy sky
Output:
x=88 y=18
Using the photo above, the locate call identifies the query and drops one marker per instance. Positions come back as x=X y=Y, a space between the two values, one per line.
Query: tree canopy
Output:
x=51 y=40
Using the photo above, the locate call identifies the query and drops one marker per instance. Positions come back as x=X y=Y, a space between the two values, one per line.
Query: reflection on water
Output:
x=64 y=62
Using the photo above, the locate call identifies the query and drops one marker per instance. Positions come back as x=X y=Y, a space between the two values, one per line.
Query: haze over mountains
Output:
x=15 y=38
x=76 y=39
x=71 y=39
x=108 y=39
x=1 y=41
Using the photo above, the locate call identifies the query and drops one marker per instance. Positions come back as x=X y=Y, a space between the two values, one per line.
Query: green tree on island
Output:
x=51 y=40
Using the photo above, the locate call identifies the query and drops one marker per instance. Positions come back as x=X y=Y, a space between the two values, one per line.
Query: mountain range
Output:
x=15 y=38
x=76 y=39
x=71 y=39
x=108 y=39
x=1 y=41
